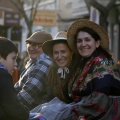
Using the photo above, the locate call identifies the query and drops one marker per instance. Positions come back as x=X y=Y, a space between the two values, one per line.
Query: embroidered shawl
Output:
x=98 y=72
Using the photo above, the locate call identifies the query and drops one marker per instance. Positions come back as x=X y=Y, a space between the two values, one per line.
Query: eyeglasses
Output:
x=34 y=45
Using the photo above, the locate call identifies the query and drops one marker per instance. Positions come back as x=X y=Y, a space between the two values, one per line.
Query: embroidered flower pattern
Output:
x=99 y=68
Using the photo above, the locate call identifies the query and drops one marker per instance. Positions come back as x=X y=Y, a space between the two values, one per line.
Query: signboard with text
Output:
x=11 y=19
x=45 y=18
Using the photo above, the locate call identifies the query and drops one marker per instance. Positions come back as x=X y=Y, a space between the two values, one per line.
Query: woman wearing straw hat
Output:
x=96 y=81
x=58 y=75
x=61 y=66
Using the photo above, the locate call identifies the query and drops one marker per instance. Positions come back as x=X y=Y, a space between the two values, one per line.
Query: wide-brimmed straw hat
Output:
x=48 y=45
x=72 y=31
x=39 y=37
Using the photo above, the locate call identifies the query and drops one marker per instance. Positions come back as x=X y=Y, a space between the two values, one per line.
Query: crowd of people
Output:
x=69 y=77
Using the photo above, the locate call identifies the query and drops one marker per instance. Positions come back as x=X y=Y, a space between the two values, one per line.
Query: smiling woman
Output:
x=62 y=55
x=96 y=80
x=63 y=64
x=61 y=67
x=86 y=44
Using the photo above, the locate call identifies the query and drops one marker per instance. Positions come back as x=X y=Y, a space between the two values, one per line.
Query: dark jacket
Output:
x=10 y=107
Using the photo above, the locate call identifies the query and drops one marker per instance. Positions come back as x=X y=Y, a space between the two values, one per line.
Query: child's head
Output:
x=8 y=54
x=6 y=47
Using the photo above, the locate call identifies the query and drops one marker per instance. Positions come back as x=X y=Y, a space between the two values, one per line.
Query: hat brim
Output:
x=31 y=41
x=27 y=40
x=104 y=42
x=47 y=46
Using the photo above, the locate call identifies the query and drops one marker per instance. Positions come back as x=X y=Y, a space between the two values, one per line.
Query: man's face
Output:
x=34 y=50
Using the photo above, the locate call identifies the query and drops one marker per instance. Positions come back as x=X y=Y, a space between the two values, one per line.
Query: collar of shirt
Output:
x=2 y=66
x=63 y=71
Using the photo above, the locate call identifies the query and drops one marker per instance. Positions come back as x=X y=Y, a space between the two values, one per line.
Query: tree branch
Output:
x=110 y=4
x=101 y=8
x=35 y=11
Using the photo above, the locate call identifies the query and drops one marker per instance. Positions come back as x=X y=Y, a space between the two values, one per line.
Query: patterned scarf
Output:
x=77 y=82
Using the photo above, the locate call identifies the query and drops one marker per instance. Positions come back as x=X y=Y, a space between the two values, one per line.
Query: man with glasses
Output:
x=30 y=86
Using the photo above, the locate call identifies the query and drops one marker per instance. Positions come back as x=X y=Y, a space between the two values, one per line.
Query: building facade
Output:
x=60 y=14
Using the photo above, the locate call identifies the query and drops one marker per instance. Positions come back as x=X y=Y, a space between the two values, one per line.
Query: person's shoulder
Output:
x=3 y=71
x=43 y=56
x=106 y=61
x=53 y=66
x=44 y=59
x=4 y=75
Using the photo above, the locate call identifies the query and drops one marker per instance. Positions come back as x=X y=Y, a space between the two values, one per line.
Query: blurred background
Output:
x=20 y=18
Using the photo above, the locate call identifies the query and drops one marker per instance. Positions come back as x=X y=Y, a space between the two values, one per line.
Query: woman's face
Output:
x=86 y=44
x=62 y=55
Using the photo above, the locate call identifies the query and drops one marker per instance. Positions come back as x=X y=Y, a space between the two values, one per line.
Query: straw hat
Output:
x=104 y=42
x=39 y=37
x=48 y=45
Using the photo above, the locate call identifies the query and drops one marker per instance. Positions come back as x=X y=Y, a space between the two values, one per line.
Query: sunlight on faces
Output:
x=34 y=50
x=62 y=55
x=86 y=44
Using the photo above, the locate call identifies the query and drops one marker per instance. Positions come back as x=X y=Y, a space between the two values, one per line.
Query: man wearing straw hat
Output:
x=30 y=86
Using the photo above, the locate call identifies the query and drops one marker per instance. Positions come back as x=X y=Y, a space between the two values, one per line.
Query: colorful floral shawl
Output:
x=98 y=69
x=89 y=104
x=99 y=72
